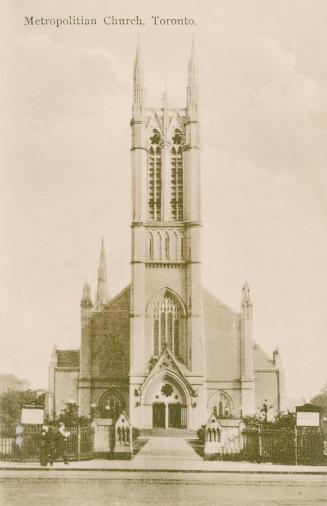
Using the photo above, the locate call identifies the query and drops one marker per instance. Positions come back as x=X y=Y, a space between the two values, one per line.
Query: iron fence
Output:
x=302 y=445
x=26 y=444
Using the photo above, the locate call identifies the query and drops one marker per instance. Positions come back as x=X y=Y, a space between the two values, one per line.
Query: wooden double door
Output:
x=166 y=415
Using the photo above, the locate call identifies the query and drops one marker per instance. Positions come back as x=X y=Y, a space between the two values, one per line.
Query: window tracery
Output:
x=154 y=177
x=111 y=405
x=224 y=405
x=177 y=177
x=166 y=325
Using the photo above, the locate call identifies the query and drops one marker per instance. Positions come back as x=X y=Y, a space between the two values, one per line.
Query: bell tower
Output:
x=166 y=292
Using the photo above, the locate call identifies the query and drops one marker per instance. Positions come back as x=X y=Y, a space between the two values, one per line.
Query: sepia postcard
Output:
x=163 y=256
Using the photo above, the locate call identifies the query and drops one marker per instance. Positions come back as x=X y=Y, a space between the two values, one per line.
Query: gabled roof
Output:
x=121 y=301
x=123 y=418
x=168 y=362
x=67 y=358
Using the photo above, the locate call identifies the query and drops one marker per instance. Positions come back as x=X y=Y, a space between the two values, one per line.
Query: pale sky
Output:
x=65 y=174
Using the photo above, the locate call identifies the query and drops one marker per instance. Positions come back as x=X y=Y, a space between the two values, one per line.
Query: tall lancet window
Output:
x=154 y=177
x=151 y=250
x=166 y=325
x=177 y=177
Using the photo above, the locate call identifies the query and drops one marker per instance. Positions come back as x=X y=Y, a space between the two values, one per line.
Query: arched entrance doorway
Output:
x=167 y=415
x=165 y=403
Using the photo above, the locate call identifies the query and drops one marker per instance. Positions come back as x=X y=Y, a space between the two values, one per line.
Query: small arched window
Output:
x=158 y=246
x=151 y=251
x=167 y=246
x=183 y=248
x=175 y=248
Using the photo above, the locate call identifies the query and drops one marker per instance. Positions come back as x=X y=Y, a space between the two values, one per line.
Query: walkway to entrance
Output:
x=170 y=449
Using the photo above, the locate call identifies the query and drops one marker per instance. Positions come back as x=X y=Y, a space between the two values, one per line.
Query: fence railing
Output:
x=26 y=446
x=302 y=445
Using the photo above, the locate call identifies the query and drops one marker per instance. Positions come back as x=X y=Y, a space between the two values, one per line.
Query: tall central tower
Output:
x=166 y=293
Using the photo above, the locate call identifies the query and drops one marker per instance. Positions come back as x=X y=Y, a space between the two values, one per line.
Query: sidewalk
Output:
x=167 y=465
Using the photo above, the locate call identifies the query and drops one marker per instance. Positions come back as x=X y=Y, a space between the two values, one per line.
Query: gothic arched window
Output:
x=175 y=248
x=177 y=177
x=167 y=246
x=183 y=252
x=111 y=405
x=154 y=177
x=166 y=325
x=158 y=246
x=224 y=405
x=151 y=251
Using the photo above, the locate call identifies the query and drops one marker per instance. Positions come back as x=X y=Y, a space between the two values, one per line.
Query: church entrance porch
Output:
x=165 y=403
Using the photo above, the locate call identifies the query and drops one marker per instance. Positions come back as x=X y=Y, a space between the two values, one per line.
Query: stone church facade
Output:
x=164 y=349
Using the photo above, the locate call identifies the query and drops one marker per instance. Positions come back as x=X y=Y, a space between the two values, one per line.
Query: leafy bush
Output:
x=201 y=434
x=11 y=406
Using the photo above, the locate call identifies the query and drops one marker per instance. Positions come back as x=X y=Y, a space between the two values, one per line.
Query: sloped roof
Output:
x=121 y=301
x=67 y=358
x=261 y=359
x=222 y=337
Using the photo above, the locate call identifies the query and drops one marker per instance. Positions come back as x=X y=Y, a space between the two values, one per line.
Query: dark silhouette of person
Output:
x=47 y=445
x=44 y=445
x=62 y=441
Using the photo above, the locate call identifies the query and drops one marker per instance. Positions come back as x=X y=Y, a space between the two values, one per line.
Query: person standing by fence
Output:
x=47 y=450
x=44 y=446
x=62 y=442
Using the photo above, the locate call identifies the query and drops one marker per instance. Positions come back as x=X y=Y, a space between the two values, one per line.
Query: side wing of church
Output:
x=165 y=350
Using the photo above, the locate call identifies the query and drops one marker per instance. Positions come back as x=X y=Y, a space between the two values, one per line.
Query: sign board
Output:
x=307 y=419
x=32 y=415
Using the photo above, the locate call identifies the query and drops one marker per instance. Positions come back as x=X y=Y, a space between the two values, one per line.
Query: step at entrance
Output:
x=158 y=432
x=166 y=450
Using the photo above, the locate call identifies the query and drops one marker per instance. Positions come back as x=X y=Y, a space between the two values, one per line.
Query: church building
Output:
x=165 y=350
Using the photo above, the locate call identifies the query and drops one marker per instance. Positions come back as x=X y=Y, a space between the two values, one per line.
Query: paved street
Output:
x=166 y=471
x=92 y=488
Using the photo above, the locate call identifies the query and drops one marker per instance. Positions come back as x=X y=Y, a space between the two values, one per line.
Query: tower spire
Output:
x=246 y=297
x=102 y=289
x=86 y=300
x=192 y=98
x=138 y=101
